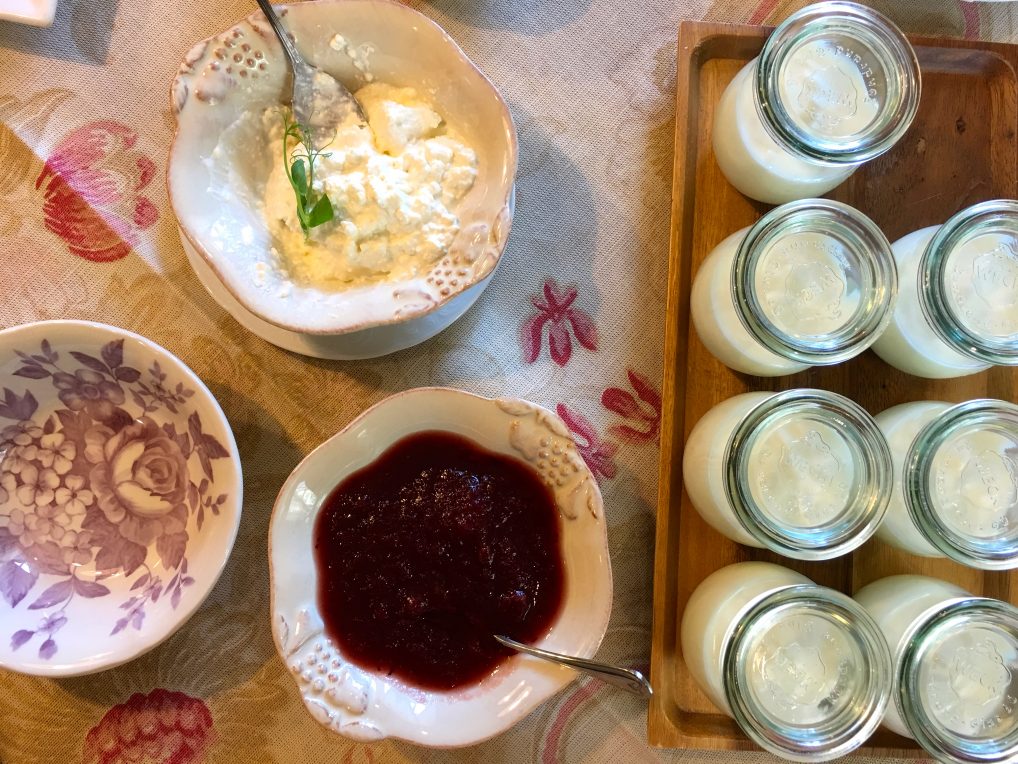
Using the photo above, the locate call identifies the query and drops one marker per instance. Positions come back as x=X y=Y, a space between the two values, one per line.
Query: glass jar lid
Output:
x=956 y=685
x=960 y=478
x=968 y=282
x=808 y=474
x=807 y=673
x=815 y=281
x=837 y=82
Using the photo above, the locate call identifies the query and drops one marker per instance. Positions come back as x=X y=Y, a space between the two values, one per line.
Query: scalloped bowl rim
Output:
x=517 y=665
x=512 y=154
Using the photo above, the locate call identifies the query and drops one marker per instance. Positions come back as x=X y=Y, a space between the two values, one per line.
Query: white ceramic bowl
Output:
x=364 y=705
x=352 y=346
x=243 y=70
x=36 y=13
x=120 y=496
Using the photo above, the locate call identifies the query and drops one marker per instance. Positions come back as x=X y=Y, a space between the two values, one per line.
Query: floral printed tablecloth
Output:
x=573 y=320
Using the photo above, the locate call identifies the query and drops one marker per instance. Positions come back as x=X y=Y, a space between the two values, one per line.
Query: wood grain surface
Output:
x=960 y=150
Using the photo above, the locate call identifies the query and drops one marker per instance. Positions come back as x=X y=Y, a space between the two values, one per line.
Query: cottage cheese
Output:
x=393 y=184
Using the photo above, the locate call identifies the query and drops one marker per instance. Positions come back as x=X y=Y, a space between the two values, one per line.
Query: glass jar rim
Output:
x=877 y=33
x=869 y=247
x=908 y=691
x=873 y=473
x=934 y=289
x=843 y=735
x=917 y=472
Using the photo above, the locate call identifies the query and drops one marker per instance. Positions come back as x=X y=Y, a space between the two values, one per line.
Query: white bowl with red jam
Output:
x=398 y=547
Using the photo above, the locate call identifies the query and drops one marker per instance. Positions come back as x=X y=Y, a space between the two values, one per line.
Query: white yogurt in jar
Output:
x=955 y=660
x=717 y=320
x=713 y=611
x=835 y=85
x=957 y=312
x=802 y=669
x=753 y=161
x=805 y=473
x=813 y=282
x=955 y=481
x=900 y=425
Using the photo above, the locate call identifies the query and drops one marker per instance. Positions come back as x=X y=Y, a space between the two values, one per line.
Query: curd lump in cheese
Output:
x=393 y=185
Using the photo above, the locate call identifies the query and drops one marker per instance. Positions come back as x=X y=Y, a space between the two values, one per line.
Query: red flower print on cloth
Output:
x=92 y=185
x=556 y=310
x=644 y=413
x=162 y=727
x=595 y=452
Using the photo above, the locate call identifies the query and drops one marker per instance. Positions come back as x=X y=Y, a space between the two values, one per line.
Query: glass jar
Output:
x=802 y=669
x=955 y=481
x=957 y=311
x=805 y=473
x=955 y=675
x=813 y=282
x=835 y=85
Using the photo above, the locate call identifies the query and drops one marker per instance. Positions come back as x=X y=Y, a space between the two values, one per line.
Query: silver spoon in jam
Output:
x=319 y=101
x=630 y=680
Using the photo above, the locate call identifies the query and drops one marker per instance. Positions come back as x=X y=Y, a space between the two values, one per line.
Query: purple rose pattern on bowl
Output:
x=102 y=484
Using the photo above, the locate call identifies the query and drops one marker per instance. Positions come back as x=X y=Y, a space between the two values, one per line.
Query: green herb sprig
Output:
x=312 y=209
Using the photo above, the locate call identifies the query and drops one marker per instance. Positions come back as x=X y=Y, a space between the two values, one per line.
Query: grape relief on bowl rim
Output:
x=100 y=486
x=337 y=693
x=544 y=442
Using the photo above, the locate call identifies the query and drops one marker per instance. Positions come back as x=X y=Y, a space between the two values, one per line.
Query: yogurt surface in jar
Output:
x=802 y=669
x=957 y=311
x=805 y=473
x=835 y=85
x=753 y=161
x=813 y=282
x=956 y=481
x=955 y=657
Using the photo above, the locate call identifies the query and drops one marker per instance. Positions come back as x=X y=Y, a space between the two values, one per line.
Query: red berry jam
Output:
x=428 y=551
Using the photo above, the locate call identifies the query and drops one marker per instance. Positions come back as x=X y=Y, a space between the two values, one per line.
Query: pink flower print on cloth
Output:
x=162 y=727
x=92 y=185
x=598 y=454
x=642 y=411
x=557 y=311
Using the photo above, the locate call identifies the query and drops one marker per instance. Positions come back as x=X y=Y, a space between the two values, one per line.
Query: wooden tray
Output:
x=960 y=150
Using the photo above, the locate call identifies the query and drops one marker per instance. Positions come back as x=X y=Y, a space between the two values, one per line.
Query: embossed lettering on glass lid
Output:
x=815 y=281
x=846 y=80
x=969 y=282
x=810 y=471
x=957 y=682
x=962 y=483
x=807 y=673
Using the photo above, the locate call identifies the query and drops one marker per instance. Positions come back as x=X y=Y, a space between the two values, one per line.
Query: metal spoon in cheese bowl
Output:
x=630 y=680
x=320 y=102
x=228 y=146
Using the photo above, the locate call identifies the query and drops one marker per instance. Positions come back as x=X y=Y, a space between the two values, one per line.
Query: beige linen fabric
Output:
x=591 y=84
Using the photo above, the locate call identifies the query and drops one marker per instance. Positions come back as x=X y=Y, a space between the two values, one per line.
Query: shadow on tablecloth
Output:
x=529 y=17
x=81 y=33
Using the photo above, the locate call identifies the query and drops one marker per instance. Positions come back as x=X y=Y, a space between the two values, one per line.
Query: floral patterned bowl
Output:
x=219 y=163
x=364 y=705
x=120 y=496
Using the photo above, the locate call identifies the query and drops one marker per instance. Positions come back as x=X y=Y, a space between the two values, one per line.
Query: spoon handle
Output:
x=627 y=679
x=277 y=26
